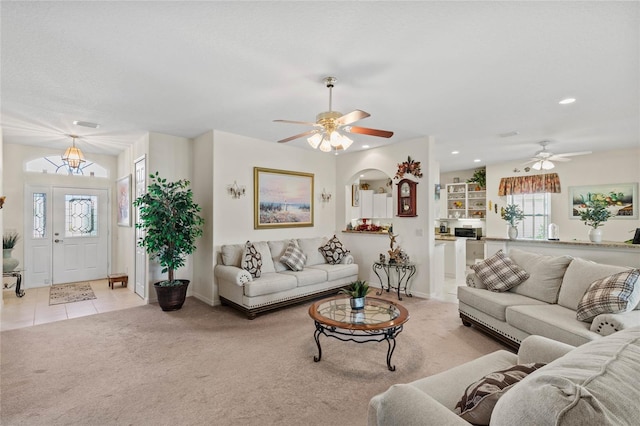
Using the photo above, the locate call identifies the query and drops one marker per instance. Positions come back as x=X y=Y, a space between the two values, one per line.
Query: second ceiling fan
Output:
x=543 y=159
x=326 y=133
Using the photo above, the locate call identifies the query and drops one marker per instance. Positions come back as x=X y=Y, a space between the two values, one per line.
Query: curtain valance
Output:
x=549 y=182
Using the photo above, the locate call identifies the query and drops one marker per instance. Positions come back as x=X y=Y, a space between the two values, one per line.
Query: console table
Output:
x=17 y=274
x=404 y=271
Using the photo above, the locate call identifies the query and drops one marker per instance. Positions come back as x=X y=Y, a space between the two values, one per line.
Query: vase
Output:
x=357 y=302
x=8 y=262
x=171 y=298
x=595 y=235
x=513 y=232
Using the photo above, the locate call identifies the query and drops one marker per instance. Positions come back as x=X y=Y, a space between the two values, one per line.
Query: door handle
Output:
x=57 y=241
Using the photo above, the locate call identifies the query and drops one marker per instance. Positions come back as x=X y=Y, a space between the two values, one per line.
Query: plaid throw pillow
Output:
x=293 y=256
x=481 y=397
x=252 y=260
x=499 y=273
x=333 y=251
x=610 y=295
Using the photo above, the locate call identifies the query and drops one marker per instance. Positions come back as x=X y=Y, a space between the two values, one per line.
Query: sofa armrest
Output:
x=347 y=259
x=406 y=405
x=541 y=349
x=233 y=274
x=605 y=324
x=473 y=281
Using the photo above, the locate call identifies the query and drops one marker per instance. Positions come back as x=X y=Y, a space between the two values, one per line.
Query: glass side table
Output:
x=17 y=274
x=404 y=271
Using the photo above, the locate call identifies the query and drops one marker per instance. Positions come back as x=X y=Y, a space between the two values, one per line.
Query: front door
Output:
x=80 y=234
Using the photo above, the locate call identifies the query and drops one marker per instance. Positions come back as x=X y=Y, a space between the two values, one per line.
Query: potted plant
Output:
x=513 y=214
x=594 y=216
x=357 y=290
x=171 y=223
x=479 y=177
x=9 y=241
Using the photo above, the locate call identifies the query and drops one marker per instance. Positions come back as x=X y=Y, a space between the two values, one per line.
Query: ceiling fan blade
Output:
x=301 y=135
x=370 y=132
x=571 y=154
x=306 y=123
x=560 y=159
x=352 y=117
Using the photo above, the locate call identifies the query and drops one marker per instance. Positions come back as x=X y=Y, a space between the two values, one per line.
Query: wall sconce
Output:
x=326 y=197
x=236 y=191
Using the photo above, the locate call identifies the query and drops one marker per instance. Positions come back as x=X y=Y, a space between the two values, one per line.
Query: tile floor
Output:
x=34 y=309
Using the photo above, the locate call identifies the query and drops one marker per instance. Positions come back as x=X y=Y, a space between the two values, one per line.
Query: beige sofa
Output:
x=279 y=286
x=545 y=304
x=594 y=384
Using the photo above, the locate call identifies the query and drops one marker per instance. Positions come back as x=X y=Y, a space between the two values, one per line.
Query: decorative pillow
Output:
x=480 y=397
x=293 y=256
x=610 y=295
x=499 y=273
x=252 y=260
x=333 y=251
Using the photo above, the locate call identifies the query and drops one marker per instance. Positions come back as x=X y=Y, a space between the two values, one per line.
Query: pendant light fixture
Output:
x=73 y=157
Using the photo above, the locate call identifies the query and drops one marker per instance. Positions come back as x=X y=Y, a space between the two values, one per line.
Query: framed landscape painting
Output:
x=621 y=199
x=282 y=199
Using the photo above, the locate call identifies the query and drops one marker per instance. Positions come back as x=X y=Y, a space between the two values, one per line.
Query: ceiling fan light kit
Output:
x=329 y=124
x=543 y=159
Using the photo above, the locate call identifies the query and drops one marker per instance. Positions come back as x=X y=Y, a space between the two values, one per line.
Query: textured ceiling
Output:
x=463 y=72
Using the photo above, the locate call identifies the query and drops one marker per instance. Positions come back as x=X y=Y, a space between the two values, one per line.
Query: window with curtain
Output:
x=532 y=194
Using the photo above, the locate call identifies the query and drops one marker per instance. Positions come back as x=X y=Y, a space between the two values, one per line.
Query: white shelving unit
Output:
x=466 y=201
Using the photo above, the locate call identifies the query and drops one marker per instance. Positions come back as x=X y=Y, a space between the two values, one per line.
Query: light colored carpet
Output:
x=69 y=293
x=210 y=365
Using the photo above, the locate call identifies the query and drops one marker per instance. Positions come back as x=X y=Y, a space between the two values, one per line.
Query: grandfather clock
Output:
x=407 y=198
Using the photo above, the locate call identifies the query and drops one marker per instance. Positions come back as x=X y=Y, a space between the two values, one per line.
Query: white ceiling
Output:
x=463 y=72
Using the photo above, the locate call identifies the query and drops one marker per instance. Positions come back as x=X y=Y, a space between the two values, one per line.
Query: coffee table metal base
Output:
x=358 y=336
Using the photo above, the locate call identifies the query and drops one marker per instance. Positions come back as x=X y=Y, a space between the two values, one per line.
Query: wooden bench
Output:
x=118 y=277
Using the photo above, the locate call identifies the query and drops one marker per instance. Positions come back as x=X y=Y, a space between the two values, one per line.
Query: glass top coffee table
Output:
x=379 y=320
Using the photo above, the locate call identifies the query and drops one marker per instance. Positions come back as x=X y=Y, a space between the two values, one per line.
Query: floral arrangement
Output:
x=410 y=166
x=512 y=213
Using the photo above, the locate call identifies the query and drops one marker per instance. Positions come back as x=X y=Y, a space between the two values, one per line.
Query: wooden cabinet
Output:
x=455 y=257
x=366 y=203
x=380 y=205
x=375 y=205
x=466 y=201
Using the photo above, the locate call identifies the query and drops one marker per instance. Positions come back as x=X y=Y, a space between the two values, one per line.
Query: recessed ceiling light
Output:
x=455 y=152
x=361 y=175
x=567 y=101
x=86 y=124
x=477 y=160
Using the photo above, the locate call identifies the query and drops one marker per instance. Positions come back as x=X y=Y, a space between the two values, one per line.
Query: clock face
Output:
x=405 y=191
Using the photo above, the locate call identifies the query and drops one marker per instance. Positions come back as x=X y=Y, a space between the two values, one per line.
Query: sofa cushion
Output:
x=270 y=282
x=481 y=396
x=595 y=384
x=333 y=250
x=308 y=276
x=294 y=257
x=277 y=249
x=252 y=260
x=336 y=272
x=610 y=295
x=492 y=303
x=553 y=321
x=579 y=276
x=545 y=274
x=311 y=247
x=499 y=273
x=472 y=280
x=232 y=254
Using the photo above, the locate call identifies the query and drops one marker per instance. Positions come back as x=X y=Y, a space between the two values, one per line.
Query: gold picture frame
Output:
x=282 y=198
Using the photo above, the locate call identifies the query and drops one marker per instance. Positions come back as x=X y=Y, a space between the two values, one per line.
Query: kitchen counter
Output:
x=446 y=237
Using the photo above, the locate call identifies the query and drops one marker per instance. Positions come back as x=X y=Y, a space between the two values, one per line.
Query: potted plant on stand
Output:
x=9 y=241
x=357 y=290
x=513 y=214
x=594 y=216
x=171 y=223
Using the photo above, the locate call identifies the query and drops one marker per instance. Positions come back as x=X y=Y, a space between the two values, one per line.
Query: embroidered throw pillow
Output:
x=251 y=260
x=480 y=397
x=293 y=256
x=333 y=251
x=499 y=273
x=610 y=295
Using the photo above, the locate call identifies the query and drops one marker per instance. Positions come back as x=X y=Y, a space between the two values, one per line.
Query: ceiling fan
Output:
x=543 y=159
x=326 y=133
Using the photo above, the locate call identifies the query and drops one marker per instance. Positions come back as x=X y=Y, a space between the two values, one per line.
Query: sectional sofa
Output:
x=546 y=303
x=278 y=285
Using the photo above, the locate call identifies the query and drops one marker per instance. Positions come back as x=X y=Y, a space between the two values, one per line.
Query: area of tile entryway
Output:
x=34 y=309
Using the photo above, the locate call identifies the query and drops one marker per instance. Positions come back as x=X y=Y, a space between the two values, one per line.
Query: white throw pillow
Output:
x=293 y=256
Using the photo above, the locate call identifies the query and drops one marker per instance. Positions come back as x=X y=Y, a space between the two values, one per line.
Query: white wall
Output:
x=621 y=166
x=415 y=234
